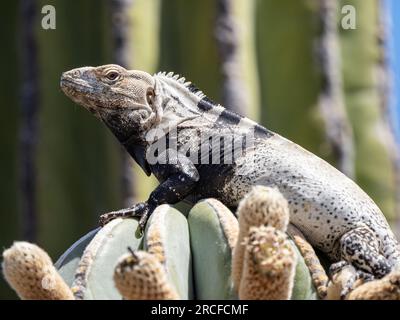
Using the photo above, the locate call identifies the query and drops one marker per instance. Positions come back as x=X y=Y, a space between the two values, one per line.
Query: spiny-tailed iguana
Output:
x=165 y=122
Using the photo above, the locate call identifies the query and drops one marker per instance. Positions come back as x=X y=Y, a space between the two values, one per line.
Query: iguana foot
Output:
x=360 y=248
x=364 y=276
x=337 y=267
x=345 y=275
x=141 y=210
x=344 y=279
x=362 y=260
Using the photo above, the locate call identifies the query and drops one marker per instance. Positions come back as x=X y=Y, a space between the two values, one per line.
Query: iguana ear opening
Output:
x=150 y=96
x=154 y=102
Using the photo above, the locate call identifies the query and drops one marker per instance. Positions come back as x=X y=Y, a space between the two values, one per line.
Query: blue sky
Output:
x=393 y=7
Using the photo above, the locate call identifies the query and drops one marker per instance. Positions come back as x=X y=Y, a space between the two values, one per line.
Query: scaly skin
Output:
x=333 y=213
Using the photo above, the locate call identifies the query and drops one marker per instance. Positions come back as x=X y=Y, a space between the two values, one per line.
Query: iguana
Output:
x=165 y=123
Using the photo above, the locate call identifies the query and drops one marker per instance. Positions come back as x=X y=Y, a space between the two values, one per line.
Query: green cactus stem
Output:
x=167 y=237
x=94 y=275
x=213 y=235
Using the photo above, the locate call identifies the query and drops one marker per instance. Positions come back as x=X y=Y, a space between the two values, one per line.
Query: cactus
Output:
x=213 y=235
x=88 y=266
x=160 y=263
x=304 y=287
x=30 y=272
x=268 y=265
x=93 y=277
x=167 y=238
x=140 y=276
x=264 y=206
x=387 y=288
x=362 y=50
x=260 y=206
x=68 y=262
x=92 y=270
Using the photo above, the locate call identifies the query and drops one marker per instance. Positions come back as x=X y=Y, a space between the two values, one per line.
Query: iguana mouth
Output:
x=72 y=88
x=69 y=86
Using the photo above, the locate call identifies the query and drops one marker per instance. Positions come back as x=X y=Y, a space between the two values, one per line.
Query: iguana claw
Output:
x=141 y=210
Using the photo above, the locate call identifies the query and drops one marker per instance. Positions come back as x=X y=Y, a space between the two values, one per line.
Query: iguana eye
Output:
x=150 y=96
x=112 y=75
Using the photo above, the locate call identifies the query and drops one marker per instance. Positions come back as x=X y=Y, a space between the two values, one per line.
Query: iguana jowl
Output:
x=335 y=215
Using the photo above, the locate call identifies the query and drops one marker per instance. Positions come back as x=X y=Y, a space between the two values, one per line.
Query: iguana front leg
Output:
x=182 y=177
x=344 y=279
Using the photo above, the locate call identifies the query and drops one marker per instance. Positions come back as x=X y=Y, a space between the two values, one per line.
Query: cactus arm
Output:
x=30 y=272
x=94 y=275
x=387 y=288
x=229 y=223
x=265 y=206
x=213 y=235
x=68 y=262
x=139 y=275
x=269 y=265
x=261 y=206
x=303 y=288
x=167 y=238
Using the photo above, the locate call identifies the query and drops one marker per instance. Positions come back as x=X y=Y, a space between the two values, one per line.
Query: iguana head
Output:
x=129 y=102
x=122 y=98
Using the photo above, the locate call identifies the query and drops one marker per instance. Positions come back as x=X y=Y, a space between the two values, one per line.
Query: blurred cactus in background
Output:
x=362 y=55
x=294 y=75
x=9 y=197
x=299 y=72
x=72 y=147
